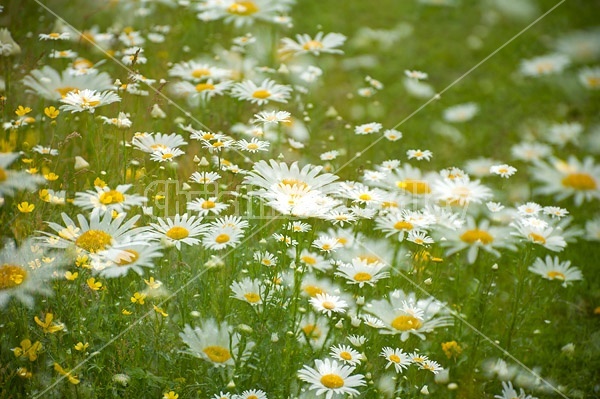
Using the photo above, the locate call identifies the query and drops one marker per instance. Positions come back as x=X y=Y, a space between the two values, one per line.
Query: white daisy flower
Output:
x=104 y=199
x=419 y=155
x=508 y=392
x=362 y=272
x=267 y=90
x=397 y=358
x=579 y=179
x=204 y=177
x=248 y=290
x=166 y=154
x=460 y=113
x=328 y=304
x=368 y=128
x=26 y=271
x=254 y=145
x=45 y=150
x=181 y=229
x=118 y=260
x=326 y=244
x=475 y=236
x=545 y=236
x=150 y=142
x=544 y=65
x=460 y=191
x=214 y=342
x=590 y=77
x=345 y=354
x=554 y=269
x=98 y=234
x=404 y=314
x=319 y=44
x=417 y=75
x=272 y=117
x=221 y=237
x=207 y=206
x=503 y=170
x=331 y=379
x=87 y=100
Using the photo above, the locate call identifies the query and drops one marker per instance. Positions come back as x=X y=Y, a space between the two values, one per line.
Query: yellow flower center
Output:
x=403 y=225
x=312 y=45
x=11 y=276
x=332 y=381
x=362 y=276
x=293 y=182
x=2 y=175
x=311 y=331
x=111 y=197
x=593 y=81
x=208 y=205
x=204 y=86
x=93 y=240
x=64 y=90
x=370 y=259
x=554 y=275
x=252 y=146
x=200 y=72
x=346 y=355
x=414 y=186
x=537 y=238
x=476 y=235
x=222 y=238
x=365 y=197
x=261 y=94
x=309 y=260
x=579 y=181
x=177 y=233
x=406 y=323
x=158 y=146
x=328 y=305
x=544 y=67
x=394 y=358
x=326 y=247
x=167 y=156
x=86 y=102
x=217 y=354
x=313 y=290
x=252 y=397
x=252 y=297
x=127 y=257
x=243 y=8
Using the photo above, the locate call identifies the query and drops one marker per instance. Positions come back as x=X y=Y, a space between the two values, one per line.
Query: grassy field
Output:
x=300 y=199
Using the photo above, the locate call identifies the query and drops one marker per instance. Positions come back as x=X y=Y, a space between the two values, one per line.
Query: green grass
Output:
x=527 y=316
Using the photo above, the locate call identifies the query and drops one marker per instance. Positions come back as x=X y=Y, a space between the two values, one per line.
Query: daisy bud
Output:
x=452 y=386
x=428 y=281
x=157 y=112
x=81 y=163
x=231 y=385
x=185 y=187
x=442 y=377
x=274 y=337
x=568 y=349
x=425 y=390
x=339 y=324
x=355 y=322
x=245 y=328
x=360 y=300
x=203 y=162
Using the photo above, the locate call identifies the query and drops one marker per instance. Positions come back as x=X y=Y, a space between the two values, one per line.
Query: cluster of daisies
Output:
x=337 y=257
